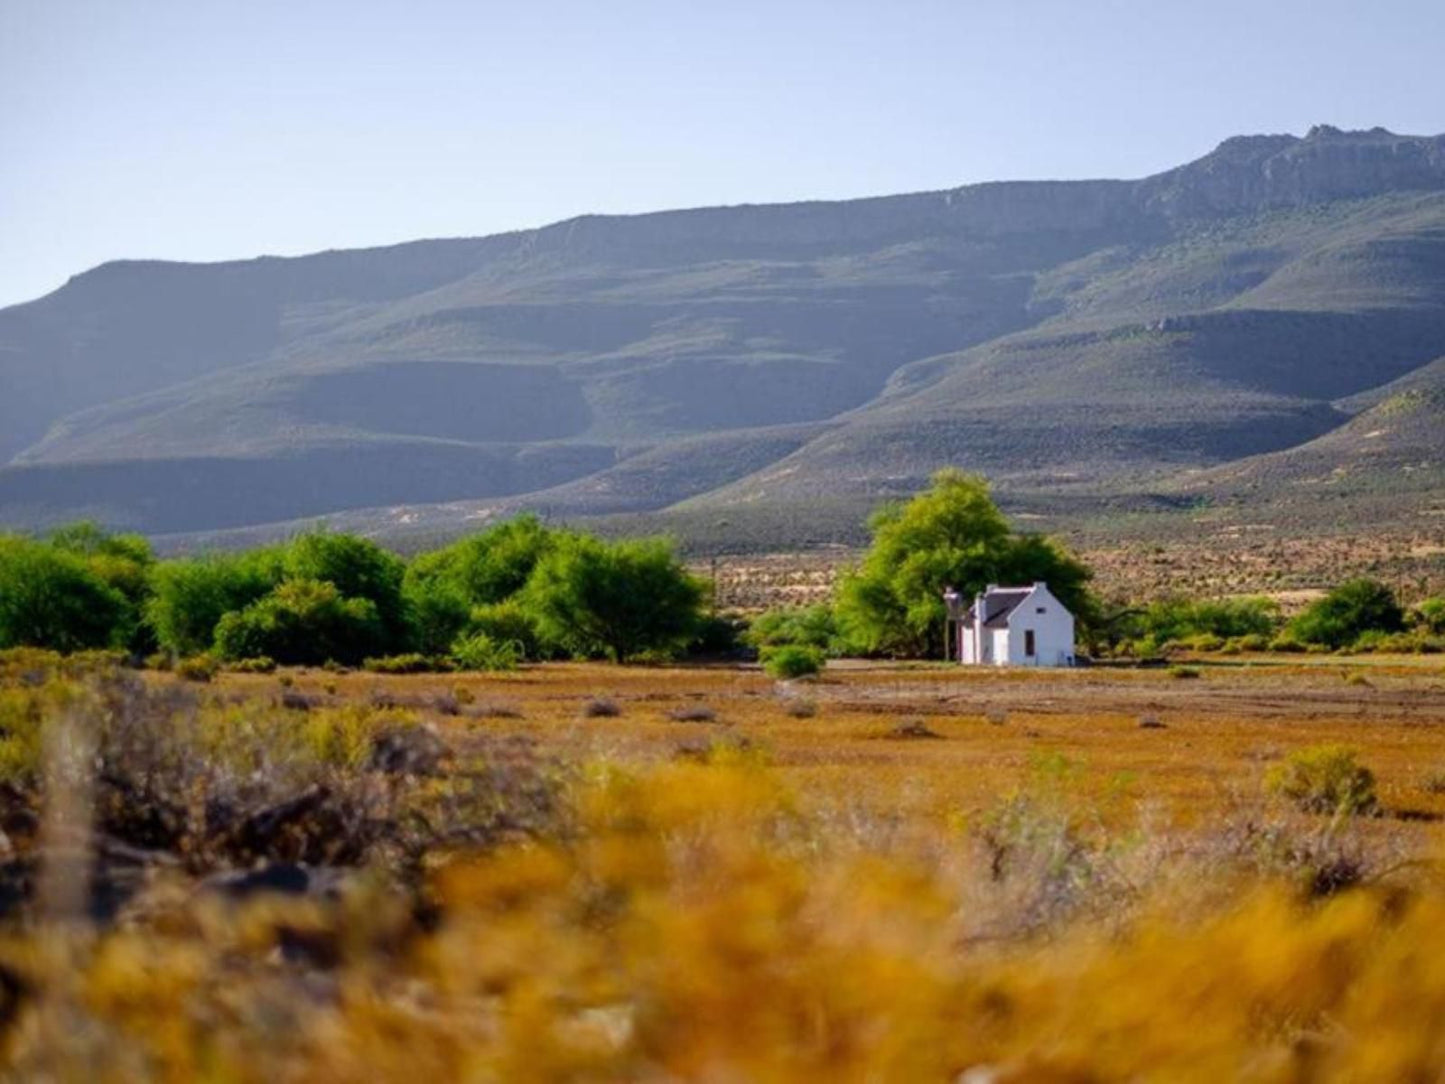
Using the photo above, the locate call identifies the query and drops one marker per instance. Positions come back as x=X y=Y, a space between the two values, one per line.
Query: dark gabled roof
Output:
x=998 y=604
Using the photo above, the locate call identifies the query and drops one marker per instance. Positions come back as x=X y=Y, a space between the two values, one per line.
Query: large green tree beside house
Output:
x=950 y=535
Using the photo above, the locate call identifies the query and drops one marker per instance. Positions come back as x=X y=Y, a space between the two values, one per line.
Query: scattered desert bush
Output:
x=1417 y=641
x=199 y=668
x=792 y=661
x=1429 y=616
x=600 y=707
x=262 y=664
x=806 y=626
x=480 y=652
x=1325 y=779
x=1184 y=673
x=21 y=714
x=910 y=729
x=694 y=713
x=800 y=707
x=411 y=663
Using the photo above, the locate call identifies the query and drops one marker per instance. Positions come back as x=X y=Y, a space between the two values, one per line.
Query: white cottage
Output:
x=1013 y=626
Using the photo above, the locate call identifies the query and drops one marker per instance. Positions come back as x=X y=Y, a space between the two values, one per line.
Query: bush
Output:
x=1205 y=624
x=1350 y=610
x=600 y=707
x=406 y=664
x=1324 y=779
x=123 y=563
x=437 y=613
x=694 y=714
x=509 y=623
x=617 y=600
x=792 y=661
x=1184 y=672
x=480 y=652
x=189 y=597
x=807 y=626
x=800 y=708
x=1206 y=641
x=199 y=668
x=1286 y=645
x=53 y=599
x=21 y=742
x=1430 y=616
x=262 y=664
x=716 y=636
x=359 y=569
x=303 y=622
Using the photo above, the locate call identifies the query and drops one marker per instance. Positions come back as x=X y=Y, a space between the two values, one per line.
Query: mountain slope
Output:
x=1058 y=335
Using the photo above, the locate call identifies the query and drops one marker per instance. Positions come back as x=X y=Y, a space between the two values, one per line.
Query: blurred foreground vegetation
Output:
x=243 y=882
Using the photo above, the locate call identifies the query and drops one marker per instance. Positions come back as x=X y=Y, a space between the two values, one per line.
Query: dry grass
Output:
x=787 y=897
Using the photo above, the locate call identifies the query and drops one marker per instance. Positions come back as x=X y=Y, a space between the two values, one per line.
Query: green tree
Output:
x=190 y=596
x=303 y=622
x=950 y=535
x=1353 y=608
x=52 y=598
x=617 y=600
x=1430 y=616
x=489 y=567
x=1181 y=618
x=358 y=568
x=123 y=562
x=437 y=612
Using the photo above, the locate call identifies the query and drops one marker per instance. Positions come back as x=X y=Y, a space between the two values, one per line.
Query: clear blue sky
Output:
x=207 y=129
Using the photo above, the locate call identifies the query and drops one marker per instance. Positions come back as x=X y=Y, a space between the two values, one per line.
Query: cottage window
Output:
x=1029 y=642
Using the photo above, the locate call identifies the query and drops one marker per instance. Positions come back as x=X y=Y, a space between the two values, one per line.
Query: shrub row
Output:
x=518 y=591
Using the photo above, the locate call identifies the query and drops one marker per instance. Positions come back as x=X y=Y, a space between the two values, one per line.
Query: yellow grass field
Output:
x=1220 y=731
x=892 y=873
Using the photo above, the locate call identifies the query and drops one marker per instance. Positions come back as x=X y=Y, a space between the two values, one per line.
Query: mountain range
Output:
x=1264 y=323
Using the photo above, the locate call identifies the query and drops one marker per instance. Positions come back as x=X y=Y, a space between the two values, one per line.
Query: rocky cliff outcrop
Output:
x=1251 y=173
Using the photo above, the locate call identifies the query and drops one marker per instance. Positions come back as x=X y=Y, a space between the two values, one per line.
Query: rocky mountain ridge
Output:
x=1082 y=335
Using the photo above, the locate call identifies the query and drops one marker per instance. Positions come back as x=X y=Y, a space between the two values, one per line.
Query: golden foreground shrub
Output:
x=692 y=922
